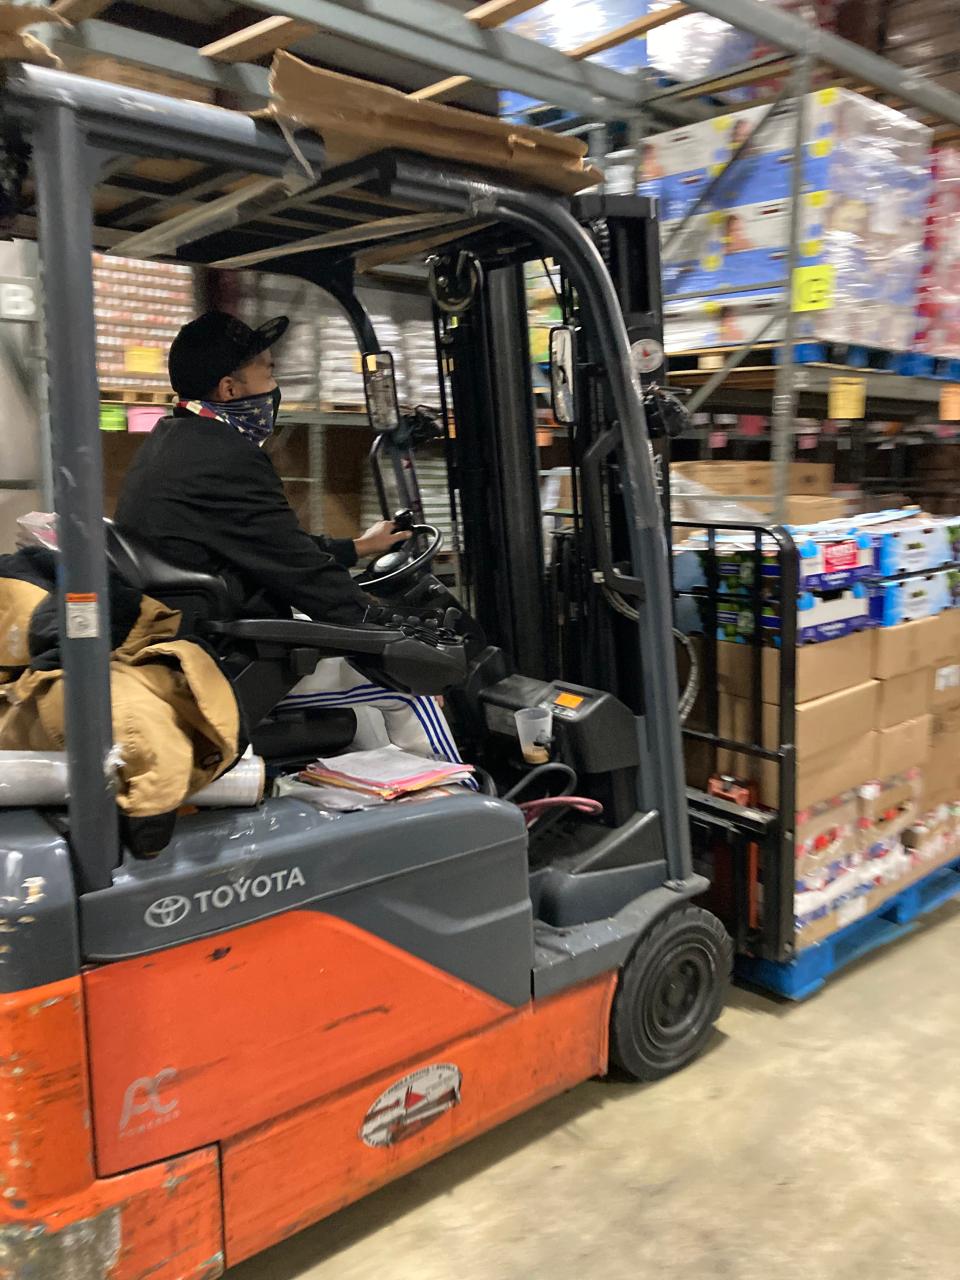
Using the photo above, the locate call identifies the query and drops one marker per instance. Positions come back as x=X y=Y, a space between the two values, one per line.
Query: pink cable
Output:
x=533 y=809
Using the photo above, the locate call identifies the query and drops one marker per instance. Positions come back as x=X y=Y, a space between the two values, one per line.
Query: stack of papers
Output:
x=386 y=772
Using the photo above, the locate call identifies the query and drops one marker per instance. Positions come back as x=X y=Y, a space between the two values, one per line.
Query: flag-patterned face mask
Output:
x=253 y=416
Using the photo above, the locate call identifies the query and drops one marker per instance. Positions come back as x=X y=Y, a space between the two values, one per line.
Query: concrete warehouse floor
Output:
x=816 y=1142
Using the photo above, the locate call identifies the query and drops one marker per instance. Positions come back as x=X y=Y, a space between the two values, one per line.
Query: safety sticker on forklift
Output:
x=411 y=1104
x=83 y=616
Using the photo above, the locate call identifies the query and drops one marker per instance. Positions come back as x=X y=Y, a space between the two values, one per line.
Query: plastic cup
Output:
x=535 y=731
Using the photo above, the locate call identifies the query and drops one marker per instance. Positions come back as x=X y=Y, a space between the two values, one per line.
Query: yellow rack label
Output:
x=950 y=403
x=847 y=398
x=143 y=359
x=813 y=287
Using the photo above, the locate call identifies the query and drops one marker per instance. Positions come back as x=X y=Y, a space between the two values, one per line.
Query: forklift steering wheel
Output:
x=399 y=565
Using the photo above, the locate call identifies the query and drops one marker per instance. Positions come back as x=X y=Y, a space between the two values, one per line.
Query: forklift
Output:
x=222 y=1026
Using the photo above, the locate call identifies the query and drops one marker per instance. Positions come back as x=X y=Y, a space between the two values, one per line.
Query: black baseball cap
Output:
x=214 y=345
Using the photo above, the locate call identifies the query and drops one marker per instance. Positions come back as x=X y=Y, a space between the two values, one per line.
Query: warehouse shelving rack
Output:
x=218 y=56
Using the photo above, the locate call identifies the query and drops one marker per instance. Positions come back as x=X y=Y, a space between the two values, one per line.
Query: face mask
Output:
x=253 y=416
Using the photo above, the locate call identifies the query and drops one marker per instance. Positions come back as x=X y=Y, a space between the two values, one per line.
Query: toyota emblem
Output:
x=167 y=911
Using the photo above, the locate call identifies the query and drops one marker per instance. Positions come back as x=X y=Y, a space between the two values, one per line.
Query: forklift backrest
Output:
x=197 y=595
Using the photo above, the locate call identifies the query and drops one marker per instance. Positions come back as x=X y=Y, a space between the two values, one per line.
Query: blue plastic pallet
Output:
x=805 y=353
x=857 y=357
x=809 y=970
x=912 y=364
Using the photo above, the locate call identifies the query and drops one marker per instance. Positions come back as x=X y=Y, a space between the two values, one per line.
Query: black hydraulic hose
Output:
x=552 y=766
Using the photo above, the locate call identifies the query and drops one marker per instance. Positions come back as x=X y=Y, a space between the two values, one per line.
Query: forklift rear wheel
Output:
x=672 y=990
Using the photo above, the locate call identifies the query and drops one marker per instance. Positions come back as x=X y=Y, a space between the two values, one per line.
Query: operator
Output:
x=204 y=496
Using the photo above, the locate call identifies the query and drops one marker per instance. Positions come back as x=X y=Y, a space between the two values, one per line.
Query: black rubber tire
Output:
x=672 y=990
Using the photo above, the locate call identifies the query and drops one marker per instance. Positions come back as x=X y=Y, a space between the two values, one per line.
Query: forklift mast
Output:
x=626 y=232
x=494 y=463
x=485 y=350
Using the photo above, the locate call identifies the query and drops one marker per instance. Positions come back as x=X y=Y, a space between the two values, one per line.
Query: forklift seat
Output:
x=194 y=594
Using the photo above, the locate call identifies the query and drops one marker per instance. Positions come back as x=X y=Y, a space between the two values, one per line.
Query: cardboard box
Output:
x=824 y=837
x=822 y=669
x=828 y=764
x=757 y=478
x=931 y=842
x=943 y=687
x=907 y=647
x=945 y=636
x=945 y=667
x=922 y=595
x=806 y=509
x=826 y=773
x=818 y=617
x=820 y=724
x=903 y=747
x=941 y=774
x=904 y=697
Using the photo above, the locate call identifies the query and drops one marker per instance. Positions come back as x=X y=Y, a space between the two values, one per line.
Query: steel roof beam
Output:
x=423 y=30
x=432 y=33
x=793 y=34
x=139 y=48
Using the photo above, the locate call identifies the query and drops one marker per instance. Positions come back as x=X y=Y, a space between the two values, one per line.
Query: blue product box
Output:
x=913 y=544
x=819 y=616
x=920 y=595
x=827 y=561
x=833 y=615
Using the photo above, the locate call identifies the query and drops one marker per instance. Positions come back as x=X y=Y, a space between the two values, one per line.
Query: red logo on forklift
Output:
x=411 y=1104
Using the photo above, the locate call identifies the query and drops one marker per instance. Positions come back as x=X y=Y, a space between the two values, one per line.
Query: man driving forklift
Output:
x=204 y=495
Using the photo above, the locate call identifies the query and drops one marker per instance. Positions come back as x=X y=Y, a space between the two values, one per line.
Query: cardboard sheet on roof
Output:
x=16 y=43
x=357 y=118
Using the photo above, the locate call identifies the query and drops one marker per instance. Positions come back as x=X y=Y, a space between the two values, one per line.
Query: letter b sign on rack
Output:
x=18 y=299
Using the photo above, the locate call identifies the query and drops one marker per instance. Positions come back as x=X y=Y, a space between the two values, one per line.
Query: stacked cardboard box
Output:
x=942 y=677
x=753 y=484
x=877 y=761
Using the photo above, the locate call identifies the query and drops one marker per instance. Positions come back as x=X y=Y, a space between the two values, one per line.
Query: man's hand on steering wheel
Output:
x=379 y=538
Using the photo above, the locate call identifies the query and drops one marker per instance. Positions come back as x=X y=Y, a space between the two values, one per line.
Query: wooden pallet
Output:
x=134 y=395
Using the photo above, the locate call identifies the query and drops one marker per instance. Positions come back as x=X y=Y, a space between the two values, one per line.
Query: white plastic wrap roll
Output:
x=241 y=785
x=40 y=778
x=32 y=778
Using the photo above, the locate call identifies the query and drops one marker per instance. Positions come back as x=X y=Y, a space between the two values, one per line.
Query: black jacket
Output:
x=205 y=497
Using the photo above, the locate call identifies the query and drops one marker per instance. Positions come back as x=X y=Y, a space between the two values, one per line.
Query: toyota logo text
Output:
x=167 y=911
x=175 y=907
